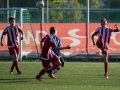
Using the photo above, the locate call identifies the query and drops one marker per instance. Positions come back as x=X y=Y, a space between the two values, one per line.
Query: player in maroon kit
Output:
x=47 y=55
x=12 y=32
x=104 y=33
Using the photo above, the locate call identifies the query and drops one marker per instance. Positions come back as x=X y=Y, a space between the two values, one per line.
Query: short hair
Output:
x=52 y=30
x=11 y=18
x=103 y=20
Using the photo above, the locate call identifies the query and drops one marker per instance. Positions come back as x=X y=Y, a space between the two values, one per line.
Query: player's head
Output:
x=12 y=21
x=103 y=22
x=53 y=31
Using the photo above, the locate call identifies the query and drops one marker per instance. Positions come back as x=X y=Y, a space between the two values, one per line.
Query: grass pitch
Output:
x=74 y=76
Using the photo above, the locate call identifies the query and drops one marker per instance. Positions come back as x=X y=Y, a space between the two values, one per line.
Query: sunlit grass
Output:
x=74 y=76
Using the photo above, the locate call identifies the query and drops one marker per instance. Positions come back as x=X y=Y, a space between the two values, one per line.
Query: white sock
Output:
x=54 y=71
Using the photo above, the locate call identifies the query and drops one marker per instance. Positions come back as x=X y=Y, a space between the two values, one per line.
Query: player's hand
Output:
x=68 y=47
x=2 y=44
x=116 y=26
x=21 y=38
x=93 y=43
x=104 y=48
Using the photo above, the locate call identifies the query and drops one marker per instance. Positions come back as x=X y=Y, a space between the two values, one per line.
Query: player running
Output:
x=102 y=43
x=47 y=55
x=12 y=32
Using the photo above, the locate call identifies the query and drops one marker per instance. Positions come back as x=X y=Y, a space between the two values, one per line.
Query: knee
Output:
x=58 y=63
x=58 y=68
x=62 y=64
x=45 y=69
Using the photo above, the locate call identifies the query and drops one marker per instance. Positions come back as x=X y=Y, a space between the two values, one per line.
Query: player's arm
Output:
x=117 y=28
x=1 y=40
x=61 y=48
x=93 y=35
x=53 y=45
x=21 y=32
x=42 y=42
x=21 y=35
x=4 y=33
x=93 y=39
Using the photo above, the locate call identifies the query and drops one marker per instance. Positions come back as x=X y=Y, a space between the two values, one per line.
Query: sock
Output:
x=42 y=72
x=13 y=64
x=16 y=65
x=54 y=71
x=106 y=68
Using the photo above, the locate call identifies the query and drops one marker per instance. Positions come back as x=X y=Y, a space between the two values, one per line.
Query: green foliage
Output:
x=74 y=76
x=93 y=3
x=3 y=3
x=68 y=11
x=112 y=3
x=56 y=16
x=73 y=4
x=71 y=15
x=53 y=4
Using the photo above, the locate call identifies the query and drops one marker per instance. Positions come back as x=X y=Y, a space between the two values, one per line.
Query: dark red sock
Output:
x=13 y=65
x=42 y=72
x=17 y=65
x=106 y=68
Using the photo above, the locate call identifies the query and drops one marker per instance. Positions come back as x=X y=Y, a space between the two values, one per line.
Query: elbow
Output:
x=92 y=36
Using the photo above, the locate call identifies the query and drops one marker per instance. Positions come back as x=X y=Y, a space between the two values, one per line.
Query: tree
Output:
x=93 y=3
x=3 y=4
x=65 y=15
x=112 y=3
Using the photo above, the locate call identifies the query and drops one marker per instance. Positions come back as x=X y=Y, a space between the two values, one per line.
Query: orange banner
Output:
x=73 y=34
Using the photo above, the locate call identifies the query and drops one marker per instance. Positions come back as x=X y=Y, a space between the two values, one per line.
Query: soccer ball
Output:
x=40 y=4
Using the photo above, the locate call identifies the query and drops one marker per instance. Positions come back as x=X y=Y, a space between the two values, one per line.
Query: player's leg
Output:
x=45 y=64
x=14 y=52
x=55 y=66
x=17 y=52
x=62 y=64
x=56 y=70
x=15 y=63
x=62 y=61
x=56 y=62
x=105 y=58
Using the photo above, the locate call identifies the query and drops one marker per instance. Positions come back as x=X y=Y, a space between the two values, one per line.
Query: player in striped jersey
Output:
x=12 y=32
x=103 y=41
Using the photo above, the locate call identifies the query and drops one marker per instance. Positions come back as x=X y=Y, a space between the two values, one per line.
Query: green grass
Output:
x=74 y=76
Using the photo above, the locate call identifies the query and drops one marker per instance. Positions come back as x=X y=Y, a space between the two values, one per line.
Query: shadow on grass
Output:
x=15 y=80
x=108 y=75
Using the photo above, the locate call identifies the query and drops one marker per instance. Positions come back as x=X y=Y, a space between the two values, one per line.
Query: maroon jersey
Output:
x=12 y=35
x=47 y=53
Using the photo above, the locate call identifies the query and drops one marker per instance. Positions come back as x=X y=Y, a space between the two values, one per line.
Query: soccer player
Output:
x=12 y=32
x=102 y=43
x=57 y=52
x=47 y=55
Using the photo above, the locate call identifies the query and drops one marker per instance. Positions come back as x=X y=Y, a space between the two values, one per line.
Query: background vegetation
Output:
x=72 y=11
